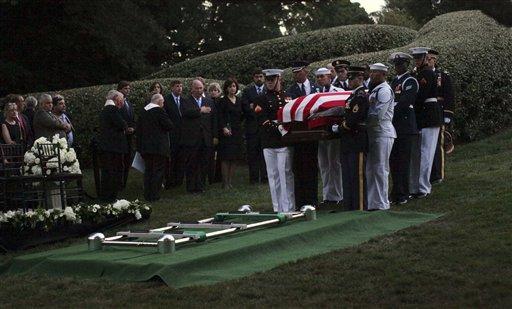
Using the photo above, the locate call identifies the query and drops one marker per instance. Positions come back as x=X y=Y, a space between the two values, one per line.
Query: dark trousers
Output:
x=437 y=172
x=175 y=168
x=197 y=164
x=399 y=164
x=255 y=160
x=154 y=171
x=305 y=171
x=214 y=169
x=128 y=160
x=112 y=168
x=353 y=166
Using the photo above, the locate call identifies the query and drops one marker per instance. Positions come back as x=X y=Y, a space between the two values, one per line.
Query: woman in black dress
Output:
x=215 y=169
x=231 y=137
x=11 y=132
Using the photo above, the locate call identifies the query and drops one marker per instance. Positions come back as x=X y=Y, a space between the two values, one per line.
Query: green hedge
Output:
x=85 y=104
x=476 y=51
x=312 y=46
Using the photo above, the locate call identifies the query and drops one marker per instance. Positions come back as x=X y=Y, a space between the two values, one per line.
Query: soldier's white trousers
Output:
x=377 y=172
x=329 y=164
x=280 y=178
x=422 y=157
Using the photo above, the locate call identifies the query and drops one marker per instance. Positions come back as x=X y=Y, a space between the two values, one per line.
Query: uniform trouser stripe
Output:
x=441 y=145
x=361 y=180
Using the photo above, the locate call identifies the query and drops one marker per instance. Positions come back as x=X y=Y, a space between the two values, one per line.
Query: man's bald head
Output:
x=197 y=88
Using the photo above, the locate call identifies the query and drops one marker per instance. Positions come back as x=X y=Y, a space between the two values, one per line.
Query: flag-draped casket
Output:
x=306 y=117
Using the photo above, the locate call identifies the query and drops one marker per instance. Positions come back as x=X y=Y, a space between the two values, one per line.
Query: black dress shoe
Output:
x=420 y=195
x=402 y=201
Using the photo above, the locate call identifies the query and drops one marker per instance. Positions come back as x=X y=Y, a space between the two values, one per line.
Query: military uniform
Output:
x=278 y=159
x=381 y=135
x=428 y=117
x=336 y=82
x=305 y=166
x=354 y=146
x=329 y=162
x=405 y=88
x=445 y=98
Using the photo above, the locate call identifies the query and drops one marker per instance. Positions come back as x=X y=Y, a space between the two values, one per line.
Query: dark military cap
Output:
x=355 y=71
x=299 y=65
x=340 y=63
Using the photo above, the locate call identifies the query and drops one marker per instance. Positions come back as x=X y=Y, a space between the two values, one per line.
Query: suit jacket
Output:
x=152 y=132
x=197 y=127
x=128 y=113
x=172 y=110
x=111 y=137
x=26 y=129
x=47 y=125
x=404 y=117
x=294 y=91
x=249 y=96
x=339 y=84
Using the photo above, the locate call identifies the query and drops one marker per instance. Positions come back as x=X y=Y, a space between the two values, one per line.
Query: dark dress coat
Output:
x=152 y=132
x=230 y=116
x=111 y=136
x=197 y=127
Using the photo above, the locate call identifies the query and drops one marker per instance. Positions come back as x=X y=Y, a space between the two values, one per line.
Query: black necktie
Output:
x=302 y=89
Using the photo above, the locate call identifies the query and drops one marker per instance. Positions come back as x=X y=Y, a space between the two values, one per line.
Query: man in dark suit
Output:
x=128 y=114
x=172 y=104
x=405 y=88
x=25 y=124
x=302 y=86
x=341 y=79
x=257 y=168
x=113 y=146
x=153 y=144
x=199 y=133
x=305 y=164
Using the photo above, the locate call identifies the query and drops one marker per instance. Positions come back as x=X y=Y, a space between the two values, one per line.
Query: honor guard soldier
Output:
x=354 y=142
x=341 y=80
x=329 y=153
x=381 y=135
x=445 y=97
x=305 y=165
x=405 y=88
x=277 y=158
x=428 y=117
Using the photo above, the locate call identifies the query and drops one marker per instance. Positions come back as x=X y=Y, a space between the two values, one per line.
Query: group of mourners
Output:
x=388 y=128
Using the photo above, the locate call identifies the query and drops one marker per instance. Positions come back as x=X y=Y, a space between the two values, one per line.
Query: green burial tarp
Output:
x=220 y=259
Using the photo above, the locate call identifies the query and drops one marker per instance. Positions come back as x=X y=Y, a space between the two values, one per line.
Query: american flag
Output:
x=302 y=108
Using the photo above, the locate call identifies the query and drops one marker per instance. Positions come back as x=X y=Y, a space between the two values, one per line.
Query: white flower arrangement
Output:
x=67 y=155
x=18 y=220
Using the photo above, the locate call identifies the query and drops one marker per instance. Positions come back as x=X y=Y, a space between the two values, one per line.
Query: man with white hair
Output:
x=113 y=145
x=153 y=144
x=381 y=135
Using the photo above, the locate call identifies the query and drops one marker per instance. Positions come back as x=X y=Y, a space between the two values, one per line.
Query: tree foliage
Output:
x=55 y=44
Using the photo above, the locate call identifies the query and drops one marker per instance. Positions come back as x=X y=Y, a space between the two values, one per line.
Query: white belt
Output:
x=431 y=100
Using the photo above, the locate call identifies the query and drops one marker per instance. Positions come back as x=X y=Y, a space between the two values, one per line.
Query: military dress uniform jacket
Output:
x=445 y=95
x=353 y=129
x=294 y=91
x=270 y=103
x=404 y=117
x=380 y=112
x=428 y=111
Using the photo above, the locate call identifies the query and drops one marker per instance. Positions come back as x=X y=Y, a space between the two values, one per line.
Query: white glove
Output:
x=447 y=120
x=335 y=128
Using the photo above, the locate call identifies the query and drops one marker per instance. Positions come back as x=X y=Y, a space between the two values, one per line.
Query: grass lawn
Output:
x=463 y=259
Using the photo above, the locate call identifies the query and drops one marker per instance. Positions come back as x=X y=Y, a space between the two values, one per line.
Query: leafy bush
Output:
x=313 y=45
x=85 y=104
x=476 y=51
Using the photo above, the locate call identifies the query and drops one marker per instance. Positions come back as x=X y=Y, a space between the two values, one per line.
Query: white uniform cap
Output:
x=272 y=72
x=322 y=71
x=419 y=50
x=378 y=67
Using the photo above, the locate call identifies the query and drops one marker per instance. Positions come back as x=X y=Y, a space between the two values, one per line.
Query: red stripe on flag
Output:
x=295 y=105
